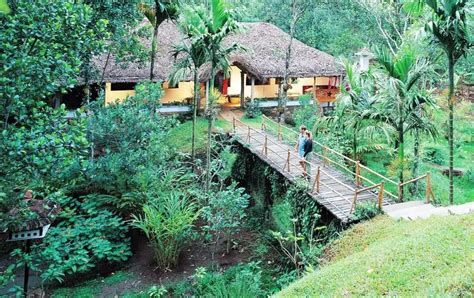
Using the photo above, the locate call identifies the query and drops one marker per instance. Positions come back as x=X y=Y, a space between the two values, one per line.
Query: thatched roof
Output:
x=264 y=57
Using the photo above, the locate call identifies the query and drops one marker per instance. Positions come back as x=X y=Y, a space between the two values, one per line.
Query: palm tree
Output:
x=350 y=116
x=156 y=14
x=207 y=28
x=399 y=101
x=191 y=55
x=449 y=27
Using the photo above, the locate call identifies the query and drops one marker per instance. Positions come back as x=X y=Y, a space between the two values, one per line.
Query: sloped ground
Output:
x=431 y=257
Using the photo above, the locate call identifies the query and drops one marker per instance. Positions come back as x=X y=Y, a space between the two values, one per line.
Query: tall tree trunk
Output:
x=451 y=127
x=195 y=107
x=401 y=155
x=416 y=152
x=153 y=47
x=210 y=119
x=283 y=90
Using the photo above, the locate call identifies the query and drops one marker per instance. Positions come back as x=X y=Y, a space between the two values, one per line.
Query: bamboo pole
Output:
x=279 y=131
x=233 y=123
x=354 y=202
x=288 y=160
x=248 y=135
x=265 y=146
x=428 y=188
x=324 y=156
x=316 y=181
x=358 y=174
x=400 y=194
x=414 y=179
x=380 y=196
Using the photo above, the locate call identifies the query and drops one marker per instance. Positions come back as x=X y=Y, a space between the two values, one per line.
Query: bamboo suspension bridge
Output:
x=337 y=182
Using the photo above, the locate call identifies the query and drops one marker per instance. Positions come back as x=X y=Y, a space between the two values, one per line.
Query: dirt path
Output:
x=199 y=254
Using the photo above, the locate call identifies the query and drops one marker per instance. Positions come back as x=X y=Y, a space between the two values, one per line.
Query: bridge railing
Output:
x=361 y=174
x=287 y=156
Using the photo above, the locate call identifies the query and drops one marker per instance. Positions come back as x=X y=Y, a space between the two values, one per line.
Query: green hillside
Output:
x=405 y=258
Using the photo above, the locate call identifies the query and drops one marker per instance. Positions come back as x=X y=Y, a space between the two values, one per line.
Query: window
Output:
x=122 y=86
x=248 y=81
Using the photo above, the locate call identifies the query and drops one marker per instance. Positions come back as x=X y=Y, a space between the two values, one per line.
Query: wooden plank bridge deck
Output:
x=330 y=186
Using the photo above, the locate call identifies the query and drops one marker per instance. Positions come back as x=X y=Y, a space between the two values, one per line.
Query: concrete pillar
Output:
x=252 y=90
x=314 y=90
x=242 y=89
x=207 y=94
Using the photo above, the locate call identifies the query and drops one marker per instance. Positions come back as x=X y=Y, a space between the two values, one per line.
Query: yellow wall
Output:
x=271 y=90
x=112 y=96
x=184 y=90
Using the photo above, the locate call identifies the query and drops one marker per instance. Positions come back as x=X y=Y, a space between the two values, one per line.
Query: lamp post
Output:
x=32 y=228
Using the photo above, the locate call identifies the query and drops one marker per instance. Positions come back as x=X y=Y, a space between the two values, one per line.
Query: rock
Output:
x=456 y=172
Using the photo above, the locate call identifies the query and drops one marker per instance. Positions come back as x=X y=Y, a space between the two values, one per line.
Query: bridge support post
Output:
x=428 y=188
x=265 y=146
x=400 y=192
x=316 y=180
x=248 y=134
x=357 y=173
x=380 y=196
x=233 y=123
x=325 y=149
x=279 y=131
x=354 y=202
x=288 y=160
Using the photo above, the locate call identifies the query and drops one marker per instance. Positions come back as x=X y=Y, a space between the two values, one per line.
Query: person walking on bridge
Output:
x=307 y=154
x=300 y=142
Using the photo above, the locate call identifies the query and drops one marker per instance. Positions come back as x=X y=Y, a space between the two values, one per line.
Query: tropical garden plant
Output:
x=157 y=11
x=400 y=98
x=167 y=223
x=191 y=55
x=208 y=27
x=449 y=27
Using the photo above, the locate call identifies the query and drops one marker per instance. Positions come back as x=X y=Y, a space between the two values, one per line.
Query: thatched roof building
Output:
x=264 y=57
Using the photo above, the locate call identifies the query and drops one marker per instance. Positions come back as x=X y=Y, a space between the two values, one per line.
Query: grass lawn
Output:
x=383 y=257
x=180 y=136
x=92 y=288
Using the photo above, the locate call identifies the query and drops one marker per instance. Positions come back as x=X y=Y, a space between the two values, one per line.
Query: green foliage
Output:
x=34 y=46
x=252 y=109
x=306 y=113
x=366 y=211
x=225 y=211
x=130 y=142
x=281 y=215
x=92 y=288
x=44 y=153
x=434 y=153
x=239 y=281
x=167 y=224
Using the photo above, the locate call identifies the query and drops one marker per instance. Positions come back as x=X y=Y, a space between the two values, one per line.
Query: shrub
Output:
x=167 y=224
x=252 y=109
x=225 y=211
x=85 y=235
x=238 y=281
x=306 y=113
x=434 y=153
x=366 y=210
